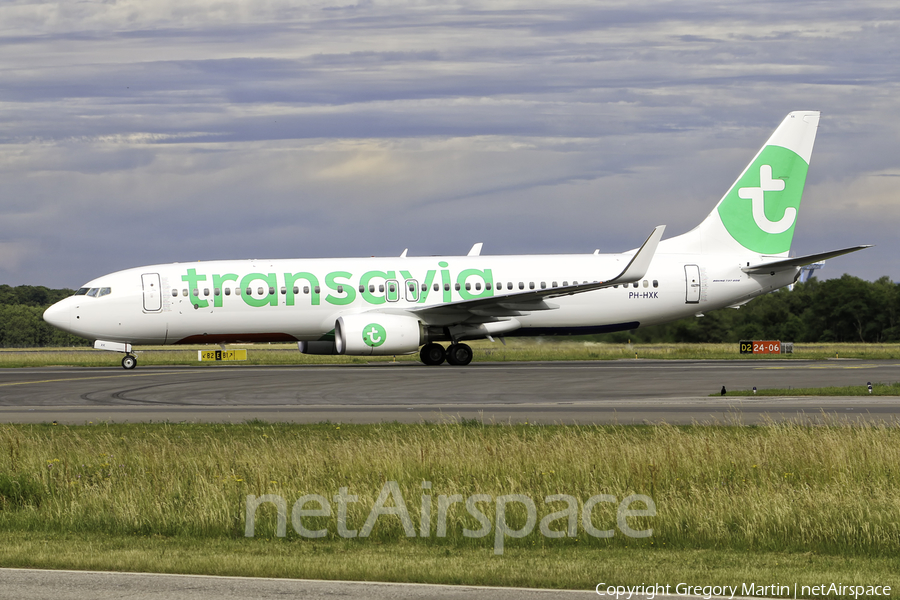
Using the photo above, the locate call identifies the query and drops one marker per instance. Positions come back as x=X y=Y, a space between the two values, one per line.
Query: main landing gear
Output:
x=456 y=354
x=129 y=362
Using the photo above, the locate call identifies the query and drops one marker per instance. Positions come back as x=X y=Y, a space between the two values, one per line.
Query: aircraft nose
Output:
x=59 y=315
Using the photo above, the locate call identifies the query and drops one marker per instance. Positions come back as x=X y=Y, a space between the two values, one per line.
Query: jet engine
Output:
x=378 y=333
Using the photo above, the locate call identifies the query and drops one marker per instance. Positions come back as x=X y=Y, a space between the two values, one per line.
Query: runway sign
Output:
x=761 y=347
x=220 y=355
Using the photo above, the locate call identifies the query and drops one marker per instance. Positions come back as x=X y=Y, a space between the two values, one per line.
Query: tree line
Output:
x=848 y=309
x=21 y=322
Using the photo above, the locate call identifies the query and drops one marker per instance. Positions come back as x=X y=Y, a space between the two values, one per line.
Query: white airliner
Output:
x=397 y=305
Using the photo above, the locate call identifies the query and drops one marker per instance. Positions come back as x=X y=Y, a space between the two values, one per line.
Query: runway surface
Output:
x=624 y=391
x=38 y=584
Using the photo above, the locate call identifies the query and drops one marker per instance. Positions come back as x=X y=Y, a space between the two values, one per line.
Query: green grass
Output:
x=561 y=568
x=768 y=503
x=524 y=349
x=878 y=389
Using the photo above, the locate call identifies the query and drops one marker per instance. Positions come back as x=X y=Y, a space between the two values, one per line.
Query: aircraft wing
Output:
x=514 y=304
x=772 y=267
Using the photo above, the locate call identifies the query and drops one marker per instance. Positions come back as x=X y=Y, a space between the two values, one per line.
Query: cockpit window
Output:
x=81 y=292
x=93 y=292
x=104 y=292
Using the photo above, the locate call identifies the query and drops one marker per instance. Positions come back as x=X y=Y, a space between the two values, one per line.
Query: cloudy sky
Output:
x=136 y=132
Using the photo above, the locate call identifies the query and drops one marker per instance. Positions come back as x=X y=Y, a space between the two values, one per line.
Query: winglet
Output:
x=476 y=249
x=640 y=262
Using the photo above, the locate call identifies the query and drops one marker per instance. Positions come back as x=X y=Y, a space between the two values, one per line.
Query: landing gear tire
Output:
x=459 y=355
x=129 y=362
x=432 y=354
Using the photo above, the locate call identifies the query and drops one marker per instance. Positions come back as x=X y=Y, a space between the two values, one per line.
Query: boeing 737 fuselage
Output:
x=397 y=305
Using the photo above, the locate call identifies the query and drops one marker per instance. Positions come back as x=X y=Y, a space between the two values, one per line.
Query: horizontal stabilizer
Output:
x=793 y=263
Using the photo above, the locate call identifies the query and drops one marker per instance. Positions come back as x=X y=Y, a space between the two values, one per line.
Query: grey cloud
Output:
x=278 y=131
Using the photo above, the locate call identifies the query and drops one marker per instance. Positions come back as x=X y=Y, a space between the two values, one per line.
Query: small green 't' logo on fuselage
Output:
x=374 y=335
x=760 y=210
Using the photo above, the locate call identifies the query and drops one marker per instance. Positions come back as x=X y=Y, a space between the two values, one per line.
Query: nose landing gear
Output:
x=129 y=362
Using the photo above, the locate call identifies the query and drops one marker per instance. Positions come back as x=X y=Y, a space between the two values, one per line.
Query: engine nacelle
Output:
x=377 y=333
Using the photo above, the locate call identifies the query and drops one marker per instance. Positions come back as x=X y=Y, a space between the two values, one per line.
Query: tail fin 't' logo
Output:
x=757 y=195
x=773 y=184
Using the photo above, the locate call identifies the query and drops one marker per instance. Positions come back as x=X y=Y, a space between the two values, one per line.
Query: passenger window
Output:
x=340 y=289
x=206 y=291
x=655 y=283
x=271 y=290
x=437 y=287
x=381 y=287
x=317 y=289
x=248 y=291
x=554 y=284
x=478 y=286
x=283 y=290
x=424 y=287
x=237 y=291
x=371 y=288
x=362 y=289
x=296 y=289
x=174 y=293
x=565 y=284
x=217 y=291
x=521 y=286
x=260 y=291
x=456 y=287
x=509 y=285
x=635 y=284
x=468 y=286
x=227 y=291
x=184 y=292
x=195 y=292
x=446 y=287
x=543 y=285
x=305 y=289
x=530 y=285
x=646 y=283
